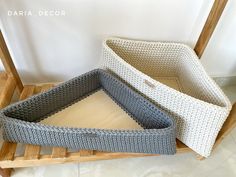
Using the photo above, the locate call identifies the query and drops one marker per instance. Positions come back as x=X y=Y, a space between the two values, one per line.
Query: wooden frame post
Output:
x=209 y=27
x=8 y=63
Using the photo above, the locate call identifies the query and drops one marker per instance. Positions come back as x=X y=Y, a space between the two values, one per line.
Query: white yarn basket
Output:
x=201 y=107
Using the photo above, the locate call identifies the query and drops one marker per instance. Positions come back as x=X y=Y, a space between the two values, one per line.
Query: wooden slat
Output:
x=32 y=152
x=112 y=155
x=7 y=92
x=44 y=160
x=71 y=157
x=8 y=63
x=46 y=87
x=59 y=152
x=3 y=80
x=209 y=27
x=37 y=89
x=3 y=75
x=86 y=152
x=7 y=151
x=43 y=88
x=228 y=126
x=181 y=147
x=27 y=92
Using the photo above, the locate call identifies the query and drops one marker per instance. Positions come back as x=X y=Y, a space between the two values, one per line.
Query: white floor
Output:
x=222 y=163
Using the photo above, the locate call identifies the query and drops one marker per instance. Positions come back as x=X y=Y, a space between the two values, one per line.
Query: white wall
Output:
x=219 y=58
x=58 y=48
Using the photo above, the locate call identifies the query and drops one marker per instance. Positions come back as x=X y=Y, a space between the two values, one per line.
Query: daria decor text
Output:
x=36 y=13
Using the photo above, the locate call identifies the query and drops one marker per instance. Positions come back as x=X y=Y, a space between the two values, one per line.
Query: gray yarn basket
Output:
x=20 y=120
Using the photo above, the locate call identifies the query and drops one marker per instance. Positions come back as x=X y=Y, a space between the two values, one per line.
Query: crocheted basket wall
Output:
x=199 y=106
x=21 y=120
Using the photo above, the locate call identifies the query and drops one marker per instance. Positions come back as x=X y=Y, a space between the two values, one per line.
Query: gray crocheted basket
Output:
x=19 y=120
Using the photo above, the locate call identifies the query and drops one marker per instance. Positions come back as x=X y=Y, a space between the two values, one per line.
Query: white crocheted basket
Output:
x=198 y=104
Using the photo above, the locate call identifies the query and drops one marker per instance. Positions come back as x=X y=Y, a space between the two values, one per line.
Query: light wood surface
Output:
x=27 y=92
x=9 y=80
x=84 y=153
x=59 y=152
x=7 y=92
x=71 y=157
x=228 y=126
x=3 y=80
x=7 y=151
x=96 y=111
x=46 y=87
x=8 y=63
x=32 y=152
x=210 y=25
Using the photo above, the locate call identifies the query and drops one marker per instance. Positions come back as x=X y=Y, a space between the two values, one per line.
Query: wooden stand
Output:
x=9 y=81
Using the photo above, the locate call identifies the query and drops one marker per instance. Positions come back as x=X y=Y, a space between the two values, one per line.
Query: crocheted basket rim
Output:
x=158 y=136
x=224 y=99
x=72 y=129
x=32 y=98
